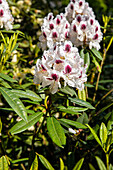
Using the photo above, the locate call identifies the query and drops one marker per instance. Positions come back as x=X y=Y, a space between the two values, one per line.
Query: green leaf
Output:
x=82 y=53
x=79 y=164
x=96 y=64
x=95 y=128
x=95 y=135
x=14 y=102
x=81 y=103
x=91 y=167
x=100 y=163
x=68 y=90
x=45 y=162
x=56 y=131
x=73 y=123
x=103 y=133
x=27 y=94
x=6 y=77
x=83 y=119
x=71 y=109
x=3 y=163
x=34 y=165
x=22 y=125
x=96 y=53
x=61 y=164
x=16 y=26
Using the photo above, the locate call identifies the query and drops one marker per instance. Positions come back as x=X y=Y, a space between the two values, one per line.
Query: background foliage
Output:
x=30 y=143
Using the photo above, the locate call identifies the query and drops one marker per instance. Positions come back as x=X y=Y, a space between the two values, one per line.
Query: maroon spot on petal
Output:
x=50 y=17
x=66 y=26
x=54 y=77
x=73 y=1
x=71 y=6
x=83 y=26
x=74 y=28
x=58 y=21
x=44 y=57
x=54 y=47
x=0 y=1
x=1 y=13
x=43 y=68
x=80 y=3
x=95 y=37
x=68 y=69
x=67 y=48
x=80 y=75
x=44 y=34
x=96 y=29
x=79 y=19
x=59 y=61
x=91 y=21
x=67 y=35
x=51 y=26
x=54 y=35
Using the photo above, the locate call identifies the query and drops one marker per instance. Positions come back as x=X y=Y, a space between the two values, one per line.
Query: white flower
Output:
x=6 y=18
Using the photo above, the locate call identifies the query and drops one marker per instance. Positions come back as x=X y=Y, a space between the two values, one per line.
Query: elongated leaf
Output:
x=73 y=123
x=6 y=77
x=3 y=163
x=91 y=167
x=81 y=103
x=22 y=125
x=104 y=108
x=27 y=94
x=83 y=119
x=96 y=53
x=103 y=133
x=79 y=164
x=61 y=164
x=71 y=109
x=34 y=165
x=68 y=90
x=14 y=102
x=95 y=135
x=19 y=160
x=45 y=162
x=100 y=163
x=96 y=64
x=56 y=131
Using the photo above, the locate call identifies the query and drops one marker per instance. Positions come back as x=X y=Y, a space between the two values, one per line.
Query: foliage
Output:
x=71 y=129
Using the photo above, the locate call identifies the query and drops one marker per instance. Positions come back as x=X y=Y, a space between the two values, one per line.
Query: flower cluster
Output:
x=85 y=29
x=61 y=35
x=6 y=18
x=61 y=65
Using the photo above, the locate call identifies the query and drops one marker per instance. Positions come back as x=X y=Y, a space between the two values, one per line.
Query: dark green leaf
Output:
x=56 y=131
x=96 y=53
x=72 y=109
x=22 y=125
x=73 y=123
x=6 y=77
x=81 y=102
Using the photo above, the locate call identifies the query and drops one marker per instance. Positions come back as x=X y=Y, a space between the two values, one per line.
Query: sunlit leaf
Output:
x=100 y=163
x=96 y=53
x=79 y=164
x=103 y=133
x=34 y=165
x=3 y=163
x=61 y=164
x=95 y=135
x=14 y=102
x=45 y=162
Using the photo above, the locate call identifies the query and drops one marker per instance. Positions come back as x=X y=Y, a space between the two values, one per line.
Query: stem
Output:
x=107 y=161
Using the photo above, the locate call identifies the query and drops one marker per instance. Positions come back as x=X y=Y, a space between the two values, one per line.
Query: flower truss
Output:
x=61 y=65
x=6 y=18
x=61 y=35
